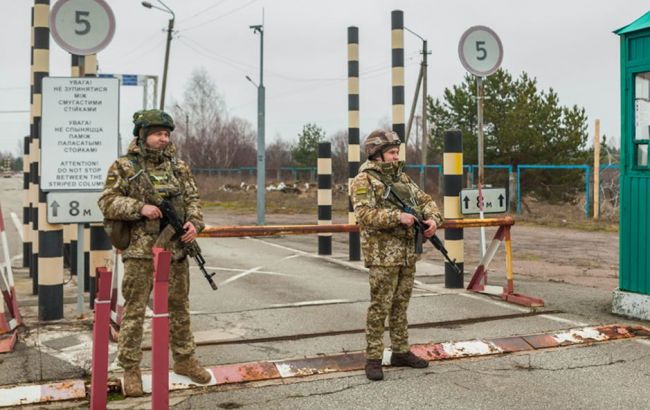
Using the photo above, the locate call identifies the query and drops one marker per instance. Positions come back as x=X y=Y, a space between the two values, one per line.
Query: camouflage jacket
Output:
x=126 y=192
x=384 y=240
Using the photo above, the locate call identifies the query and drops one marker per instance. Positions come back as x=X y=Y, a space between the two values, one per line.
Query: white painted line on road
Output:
x=494 y=302
x=311 y=303
x=643 y=341
x=563 y=320
x=290 y=257
x=242 y=270
x=241 y=275
x=521 y=309
x=18 y=225
x=327 y=258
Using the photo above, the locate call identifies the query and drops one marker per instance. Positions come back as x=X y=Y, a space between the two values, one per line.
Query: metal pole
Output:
x=261 y=169
x=425 y=134
x=80 y=270
x=596 y=169
x=170 y=29
x=479 y=102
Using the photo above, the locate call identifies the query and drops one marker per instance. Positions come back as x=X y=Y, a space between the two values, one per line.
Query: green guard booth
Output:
x=632 y=298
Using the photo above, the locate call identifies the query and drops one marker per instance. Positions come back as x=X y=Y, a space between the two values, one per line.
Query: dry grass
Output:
x=534 y=212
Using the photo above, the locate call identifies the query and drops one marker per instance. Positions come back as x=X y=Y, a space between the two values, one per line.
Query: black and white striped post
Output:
x=453 y=181
x=324 y=196
x=50 y=236
x=397 y=77
x=40 y=68
x=27 y=228
x=354 y=153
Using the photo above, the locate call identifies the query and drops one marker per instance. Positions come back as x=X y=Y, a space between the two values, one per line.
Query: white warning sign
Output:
x=79 y=132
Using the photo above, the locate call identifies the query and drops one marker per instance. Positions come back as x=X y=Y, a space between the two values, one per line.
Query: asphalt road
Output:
x=278 y=300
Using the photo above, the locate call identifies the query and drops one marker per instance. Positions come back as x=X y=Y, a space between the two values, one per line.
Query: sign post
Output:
x=82 y=27
x=481 y=52
x=79 y=128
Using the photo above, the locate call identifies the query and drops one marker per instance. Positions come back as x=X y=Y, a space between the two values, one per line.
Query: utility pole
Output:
x=170 y=30
x=425 y=134
x=261 y=167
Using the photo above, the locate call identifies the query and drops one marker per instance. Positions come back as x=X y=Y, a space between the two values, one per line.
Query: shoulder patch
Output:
x=361 y=191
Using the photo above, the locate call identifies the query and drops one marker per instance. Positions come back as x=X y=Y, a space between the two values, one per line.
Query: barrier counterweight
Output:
x=397 y=77
x=354 y=153
x=453 y=183
x=324 y=196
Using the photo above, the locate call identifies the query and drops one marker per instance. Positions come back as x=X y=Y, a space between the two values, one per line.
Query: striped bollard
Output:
x=354 y=153
x=397 y=77
x=27 y=229
x=49 y=269
x=324 y=196
x=101 y=331
x=160 y=330
x=453 y=181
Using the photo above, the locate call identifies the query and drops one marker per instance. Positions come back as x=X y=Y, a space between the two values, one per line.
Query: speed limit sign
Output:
x=82 y=27
x=480 y=51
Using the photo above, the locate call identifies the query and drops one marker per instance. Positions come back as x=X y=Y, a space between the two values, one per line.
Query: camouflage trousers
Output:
x=136 y=288
x=390 y=292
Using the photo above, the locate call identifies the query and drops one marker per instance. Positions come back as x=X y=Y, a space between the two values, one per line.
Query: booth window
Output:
x=641 y=118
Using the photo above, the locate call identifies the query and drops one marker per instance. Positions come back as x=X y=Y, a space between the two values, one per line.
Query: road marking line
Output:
x=18 y=225
x=241 y=275
x=327 y=258
x=311 y=303
x=643 y=341
x=521 y=309
x=290 y=257
x=242 y=270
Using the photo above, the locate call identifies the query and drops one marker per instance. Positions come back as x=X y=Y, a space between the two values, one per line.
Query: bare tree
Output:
x=340 y=156
x=210 y=139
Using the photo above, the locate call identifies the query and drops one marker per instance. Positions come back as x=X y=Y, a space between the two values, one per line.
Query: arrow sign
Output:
x=73 y=207
x=55 y=208
x=494 y=201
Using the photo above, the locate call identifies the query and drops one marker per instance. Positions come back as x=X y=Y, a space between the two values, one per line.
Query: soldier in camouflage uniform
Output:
x=388 y=244
x=151 y=167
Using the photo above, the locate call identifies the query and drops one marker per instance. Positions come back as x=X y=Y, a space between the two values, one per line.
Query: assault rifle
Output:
x=174 y=228
x=420 y=227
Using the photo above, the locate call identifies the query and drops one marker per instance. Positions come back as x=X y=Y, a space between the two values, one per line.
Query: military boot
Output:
x=407 y=359
x=190 y=367
x=132 y=382
x=373 y=369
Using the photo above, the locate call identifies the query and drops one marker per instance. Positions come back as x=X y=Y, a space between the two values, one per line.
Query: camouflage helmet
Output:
x=380 y=141
x=151 y=118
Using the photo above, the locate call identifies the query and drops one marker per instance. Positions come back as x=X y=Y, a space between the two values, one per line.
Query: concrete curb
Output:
x=311 y=366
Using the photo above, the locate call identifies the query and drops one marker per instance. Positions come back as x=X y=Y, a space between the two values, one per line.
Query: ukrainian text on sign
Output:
x=79 y=132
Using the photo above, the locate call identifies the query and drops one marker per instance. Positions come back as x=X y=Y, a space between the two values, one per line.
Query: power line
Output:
x=203 y=11
x=221 y=16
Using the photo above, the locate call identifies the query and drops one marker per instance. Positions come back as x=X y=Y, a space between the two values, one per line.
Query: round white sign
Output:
x=82 y=27
x=480 y=51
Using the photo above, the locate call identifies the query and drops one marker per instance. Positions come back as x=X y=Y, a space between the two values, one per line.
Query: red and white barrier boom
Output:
x=160 y=330
x=9 y=318
x=99 y=378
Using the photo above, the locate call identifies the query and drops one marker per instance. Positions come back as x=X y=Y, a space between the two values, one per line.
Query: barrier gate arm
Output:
x=478 y=283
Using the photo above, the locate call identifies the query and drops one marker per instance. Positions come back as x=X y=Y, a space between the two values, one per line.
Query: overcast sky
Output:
x=567 y=45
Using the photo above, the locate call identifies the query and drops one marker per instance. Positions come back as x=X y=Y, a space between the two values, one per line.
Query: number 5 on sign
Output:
x=82 y=27
x=480 y=51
